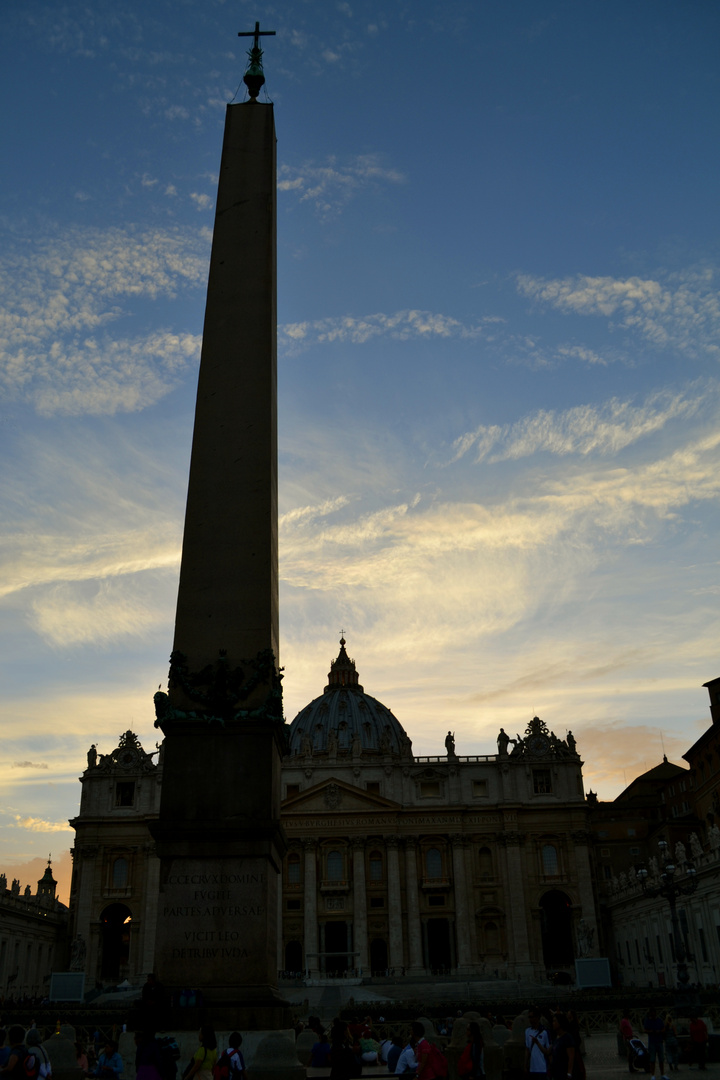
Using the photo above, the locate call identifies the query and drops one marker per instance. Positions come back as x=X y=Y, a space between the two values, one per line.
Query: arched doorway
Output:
x=556 y=924
x=115 y=922
x=378 y=956
x=438 y=945
x=293 y=957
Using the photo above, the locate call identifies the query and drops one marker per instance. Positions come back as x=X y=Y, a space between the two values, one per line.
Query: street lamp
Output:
x=669 y=888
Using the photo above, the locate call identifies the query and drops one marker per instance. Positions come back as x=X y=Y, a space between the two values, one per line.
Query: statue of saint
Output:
x=385 y=740
x=356 y=748
x=695 y=846
x=584 y=938
x=502 y=741
x=714 y=838
x=92 y=757
x=450 y=744
x=571 y=744
x=680 y=856
x=78 y=953
x=332 y=743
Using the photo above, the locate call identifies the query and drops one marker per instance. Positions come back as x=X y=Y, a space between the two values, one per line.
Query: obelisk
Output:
x=218 y=835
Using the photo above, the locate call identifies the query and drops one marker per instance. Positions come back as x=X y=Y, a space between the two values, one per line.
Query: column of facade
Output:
x=415 y=958
x=586 y=894
x=462 y=922
x=518 y=913
x=360 y=936
x=395 y=950
x=280 y=947
x=152 y=894
x=470 y=893
x=311 y=917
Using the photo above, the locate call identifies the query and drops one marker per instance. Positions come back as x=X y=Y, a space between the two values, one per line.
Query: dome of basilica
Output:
x=347 y=721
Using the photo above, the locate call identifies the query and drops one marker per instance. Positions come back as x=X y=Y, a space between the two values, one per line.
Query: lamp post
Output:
x=669 y=888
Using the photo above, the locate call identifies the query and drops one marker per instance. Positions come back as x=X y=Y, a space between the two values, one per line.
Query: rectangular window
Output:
x=429 y=789
x=294 y=905
x=377 y=901
x=627 y=950
x=542 y=781
x=373 y=786
x=480 y=789
x=436 y=901
x=637 y=951
x=125 y=793
x=292 y=789
x=631 y=832
x=659 y=948
x=607 y=871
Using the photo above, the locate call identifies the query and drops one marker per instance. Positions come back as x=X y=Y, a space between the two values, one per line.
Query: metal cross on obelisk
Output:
x=254 y=77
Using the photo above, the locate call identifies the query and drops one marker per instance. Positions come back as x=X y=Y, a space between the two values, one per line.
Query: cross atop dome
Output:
x=342 y=672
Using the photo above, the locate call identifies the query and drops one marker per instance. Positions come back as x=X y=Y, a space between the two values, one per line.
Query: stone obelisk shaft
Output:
x=218 y=834
x=228 y=594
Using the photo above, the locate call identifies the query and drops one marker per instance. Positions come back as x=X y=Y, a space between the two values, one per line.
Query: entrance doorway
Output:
x=556 y=925
x=378 y=956
x=336 y=944
x=115 y=937
x=293 y=957
x=439 y=954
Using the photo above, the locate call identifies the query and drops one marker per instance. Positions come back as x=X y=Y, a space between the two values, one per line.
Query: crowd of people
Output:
x=663 y=1045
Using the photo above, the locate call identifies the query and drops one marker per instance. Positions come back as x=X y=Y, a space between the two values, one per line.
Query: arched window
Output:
x=293 y=868
x=120 y=874
x=550 y=860
x=334 y=866
x=486 y=863
x=376 y=866
x=433 y=863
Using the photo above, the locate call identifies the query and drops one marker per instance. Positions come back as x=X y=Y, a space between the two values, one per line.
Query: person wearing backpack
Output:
x=34 y=1045
x=204 y=1057
x=14 y=1066
x=233 y=1058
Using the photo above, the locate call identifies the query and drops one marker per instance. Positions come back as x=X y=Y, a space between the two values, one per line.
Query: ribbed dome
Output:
x=346 y=720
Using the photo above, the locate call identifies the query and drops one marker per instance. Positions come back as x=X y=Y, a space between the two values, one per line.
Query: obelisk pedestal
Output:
x=218 y=835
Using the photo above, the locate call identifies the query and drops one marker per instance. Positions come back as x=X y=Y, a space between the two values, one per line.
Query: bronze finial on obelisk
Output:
x=254 y=76
x=218 y=834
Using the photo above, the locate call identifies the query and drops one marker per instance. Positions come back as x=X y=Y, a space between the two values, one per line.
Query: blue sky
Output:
x=499 y=377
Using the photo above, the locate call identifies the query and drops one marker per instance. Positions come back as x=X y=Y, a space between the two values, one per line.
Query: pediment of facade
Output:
x=335 y=795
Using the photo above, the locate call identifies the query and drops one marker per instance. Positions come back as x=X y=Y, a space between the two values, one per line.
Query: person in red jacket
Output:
x=698 y=1040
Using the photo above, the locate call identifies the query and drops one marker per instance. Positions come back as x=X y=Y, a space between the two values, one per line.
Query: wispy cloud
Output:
x=29 y=765
x=38 y=825
x=357 y=329
x=60 y=298
x=680 y=310
x=330 y=186
x=584 y=429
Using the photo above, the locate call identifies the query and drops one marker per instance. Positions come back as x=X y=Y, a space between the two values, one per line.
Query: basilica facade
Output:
x=395 y=863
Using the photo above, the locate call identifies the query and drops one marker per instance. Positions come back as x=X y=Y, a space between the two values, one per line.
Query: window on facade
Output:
x=659 y=948
x=703 y=944
x=436 y=901
x=492 y=937
x=480 y=788
x=627 y=949
x=293 y=869
x=125 y=793
x=631 y=832
x=292 y=789
x=607 y=872
x=542 y=782
x=486 y=865
x=429 y=789
x=376 y=866
x=373 y=786
x=120 y=874
x=334 y=866
x=294 y=905
x=377 y=901
x=433 y=863
x=550 y=860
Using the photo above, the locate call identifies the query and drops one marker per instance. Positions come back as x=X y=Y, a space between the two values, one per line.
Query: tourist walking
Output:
x=471 y=1063
x=562 y=1060
x=672 y=1046
x=537 y=1046
x=205 y=1056
x=655 y=1030
x=698 y=1040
